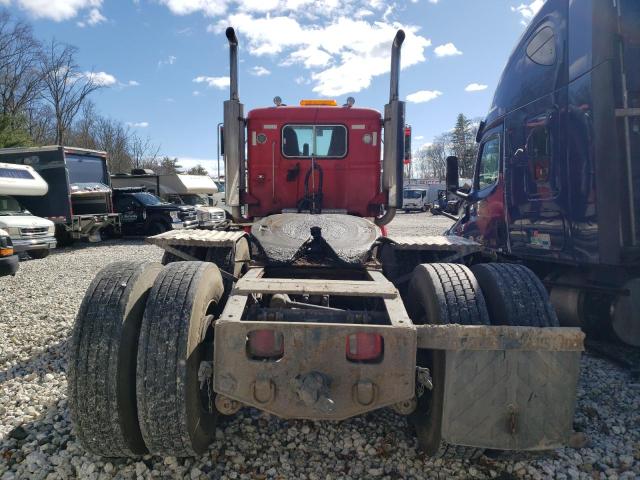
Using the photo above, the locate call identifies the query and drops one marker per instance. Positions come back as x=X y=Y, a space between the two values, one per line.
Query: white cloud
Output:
x=418 y=137
x=103 y=79
x=447 y=50
x=210 y=164
x=94 y=18
x=132 y=83
x=528 y=10
x=423 y=96
x=170 y=60
x=138 y=124
x=59 y=10
x=475 y=87
x=214 y=82
x=343 y=54
x=196 y=93
x=185 y=7
x=259 y=71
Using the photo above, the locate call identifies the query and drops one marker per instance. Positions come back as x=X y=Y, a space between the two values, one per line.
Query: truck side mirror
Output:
x=452 y=174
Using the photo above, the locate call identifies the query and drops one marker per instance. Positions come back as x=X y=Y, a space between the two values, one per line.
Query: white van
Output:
x=28 y=233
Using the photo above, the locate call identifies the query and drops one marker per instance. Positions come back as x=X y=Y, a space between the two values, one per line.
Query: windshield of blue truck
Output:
x=86 y=169
x=147 y=198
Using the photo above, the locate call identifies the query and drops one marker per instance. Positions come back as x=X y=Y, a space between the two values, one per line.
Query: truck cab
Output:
x=414 y=199
x=143 y=213
x=29 y=234
x=557 y=177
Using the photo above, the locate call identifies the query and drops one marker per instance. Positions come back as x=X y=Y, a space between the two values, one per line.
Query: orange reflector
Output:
x=5 y=252
x=311 y=103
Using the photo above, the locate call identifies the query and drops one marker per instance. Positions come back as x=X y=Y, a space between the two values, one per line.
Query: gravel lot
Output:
x=37 y=309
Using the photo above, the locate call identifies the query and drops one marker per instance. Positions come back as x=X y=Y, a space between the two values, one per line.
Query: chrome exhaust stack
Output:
x=394 y=120
x=234 y=161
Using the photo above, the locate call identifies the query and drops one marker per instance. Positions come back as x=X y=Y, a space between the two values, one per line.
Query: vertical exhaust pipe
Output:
x=394 y=121
x=234 y=161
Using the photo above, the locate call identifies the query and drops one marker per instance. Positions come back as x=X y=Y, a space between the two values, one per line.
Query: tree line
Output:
x=45 y=99
x=431 y=160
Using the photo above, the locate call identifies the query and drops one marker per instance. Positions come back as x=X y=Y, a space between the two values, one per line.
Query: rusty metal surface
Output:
x=312 y=352
x=196 y=238
x=510 y=400
x=480 y=337
x=281 y=236
x=436 y=243
x=348 y=288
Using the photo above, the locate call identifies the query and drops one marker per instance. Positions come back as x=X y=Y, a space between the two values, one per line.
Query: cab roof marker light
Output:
x=315 y=103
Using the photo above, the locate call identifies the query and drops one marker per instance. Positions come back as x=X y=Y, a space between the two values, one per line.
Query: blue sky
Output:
x=166 y=61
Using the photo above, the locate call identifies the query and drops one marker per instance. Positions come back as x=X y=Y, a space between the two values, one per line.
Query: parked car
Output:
x=9 y=262
x=29 y=233
x=180 y=189
x=143 y=213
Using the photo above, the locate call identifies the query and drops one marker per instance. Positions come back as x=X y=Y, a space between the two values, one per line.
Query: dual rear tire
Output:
x=141 y=336
x=486 y=294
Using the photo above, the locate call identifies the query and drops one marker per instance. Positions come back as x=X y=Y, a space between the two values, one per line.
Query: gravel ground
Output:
x=37 y=309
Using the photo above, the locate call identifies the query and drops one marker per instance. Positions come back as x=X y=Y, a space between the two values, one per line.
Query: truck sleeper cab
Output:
x=557 y=182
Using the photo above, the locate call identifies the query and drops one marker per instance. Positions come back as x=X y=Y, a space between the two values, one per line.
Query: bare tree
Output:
x=41 y=123
x=20 y=76
x=143 y=152
x=113 y=137
x=66 y=87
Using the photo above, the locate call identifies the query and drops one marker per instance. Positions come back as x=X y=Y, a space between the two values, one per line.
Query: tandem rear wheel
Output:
x=486 y=294
x=140 y=372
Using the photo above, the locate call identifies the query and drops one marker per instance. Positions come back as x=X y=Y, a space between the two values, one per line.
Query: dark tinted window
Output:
x=15 y=173
x=328 y=141
x=147 y=198
x=488 y=169
x=85 y=169
x=539 y=150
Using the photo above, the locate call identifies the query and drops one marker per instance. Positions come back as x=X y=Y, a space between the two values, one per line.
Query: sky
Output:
x=165 y=62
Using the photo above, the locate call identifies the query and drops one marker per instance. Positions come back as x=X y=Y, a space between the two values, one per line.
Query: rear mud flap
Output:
x=510 y=400
x=507 y=388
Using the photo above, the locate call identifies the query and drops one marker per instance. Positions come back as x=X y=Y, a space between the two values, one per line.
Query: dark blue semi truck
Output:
x=557 y=182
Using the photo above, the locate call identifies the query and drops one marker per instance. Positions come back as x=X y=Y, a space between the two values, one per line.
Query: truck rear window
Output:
x=15 y=173
x=320 y=141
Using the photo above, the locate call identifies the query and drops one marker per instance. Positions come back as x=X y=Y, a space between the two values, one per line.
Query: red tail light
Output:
x=265 y=344
x=365 y=347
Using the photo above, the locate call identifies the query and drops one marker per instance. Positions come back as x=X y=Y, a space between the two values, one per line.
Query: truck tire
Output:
x=39 y=254
x=102 y=359
x=441 y=293
x=177 y=418
x=515 y=295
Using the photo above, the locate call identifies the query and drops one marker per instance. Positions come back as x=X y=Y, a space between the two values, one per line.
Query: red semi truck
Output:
x=305 y=309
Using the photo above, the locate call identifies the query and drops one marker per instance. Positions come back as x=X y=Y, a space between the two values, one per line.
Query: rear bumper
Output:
x=9 y=265
x=23 y=245
x=84 y=226
x=187 y=225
